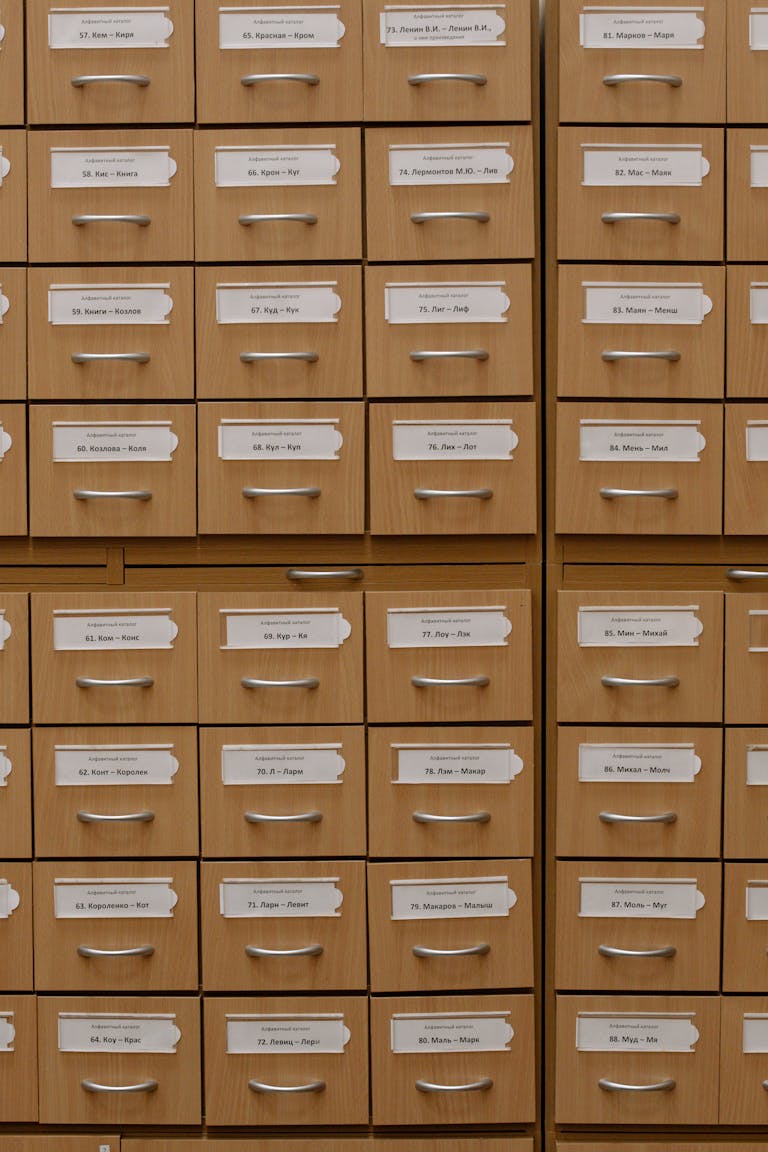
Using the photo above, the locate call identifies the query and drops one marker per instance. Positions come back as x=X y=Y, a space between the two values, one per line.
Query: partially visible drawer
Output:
x=747 y=236
x=12 y=74
x=14 y=657
x=16 y=926
x=746 y=659
x=18 y=1085
x=13 y=190
x=13 y=470
x=745 y=927
x=746 y=70
x=13 y=328
x=16 y=793
x=747 y=356
x=745 y=799
x=746 y=469
x=743 y=1059
x=116 y=792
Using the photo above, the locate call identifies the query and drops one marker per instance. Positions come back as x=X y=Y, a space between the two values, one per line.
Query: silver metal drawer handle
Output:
x=617 y=818
x=254 y=357
x=469 y=354
x=642 y=77
x=110 y=78
x=462 y=682
x=253 y=493
x=475 y=950
x=133 y=682
x=745 y=574
x=122 y=818
x=299 y=818
x=423 y=217
x=128 y=494
x=622 y=682
x=307 y=682
x=319 y=574
x=612 y=1086
x=440 y=493
x=310 y=950
x=611 y=356
x=142 y=950
x=433 y=818
x=111 y=218
x=261 y=77
x=145 y=1086
x=476 y=1086
x=663 y=217
x=645 y=953
x=313 y=1086
x=90 y=357
x=264 y=217
x=428 y=77
x=652 y=493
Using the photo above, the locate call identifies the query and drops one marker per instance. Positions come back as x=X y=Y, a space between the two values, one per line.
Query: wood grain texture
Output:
x=18 y=1089
x=745 y=942
x=12 y=76
x=13 y=333
x=745 y=806
x=743 y=1099
x=747 y=359
x=14 y=659
x=747 y=237
x=13 y=469
x=746 y=667
x=16 y=932
x=16 y=795
x=745 y=510
x=13 y=196
x=747 y=87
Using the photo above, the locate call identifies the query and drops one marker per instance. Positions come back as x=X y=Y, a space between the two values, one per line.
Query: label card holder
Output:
x=262 y=629
x=109 y=304
x=655 y=27
x=248 y=764
x=243 y=898
x=667 y=626
x=638 y=898
x=453 y=440
x=622 y=302
x=638 y=764
x=280 y=439
x=442 y=25
x=146 y=898
x=322 y=1033
x=452 y=899
x=455 y=764
x=108 y=629
x=300 y=26
x=105 y=27
x=279 y=303
x=637 y=166
x=450 y=1032
x=98 y=765
x=472 y=627
x=636 y=1032
x=425 y=164
x=115 y=1032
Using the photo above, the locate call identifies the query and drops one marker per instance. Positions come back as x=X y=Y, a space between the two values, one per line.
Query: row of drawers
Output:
x=281 y=925
x=257 y=66
x=120 y=470
x=270 y=332
x=439 y=193
x=243 y=1080
x=267 y=658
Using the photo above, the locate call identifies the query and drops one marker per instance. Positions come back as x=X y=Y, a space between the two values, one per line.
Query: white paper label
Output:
x=435 y=26
x=758 y=166
x=625 y=303
x=631 y=166
x=446 y=303
x=453 y=440
x=757 y=764
x=639 y=899
x=308 y=26
x=6 y=767
x=114 y=899
x=109 y=27
x=309 y=628
x=754 y=1036
x=5 y=166
x=9 y=899
x=280 y=439
x=456 y=764
x=244 y=167
x=758 y=29
x=109 y=764
x=5 y=629
x=113 y=440
x=637 y=28
x=4 y=304
x=451 y=899
x=150 y=167
x=284 y=303
x=7 y=1032
x=108 y=630
x=281 y=764
x=641 y=440
x=758 y=303
x=635 y=1032
x=664 y=627
x=110 y=1032
x=259 y=899
x=638 y=763
x=451 y=1032
x=757 y=440
x=109 y=304
x=323 y=1033
x=6 y=442
x=448 y=627
x=756 y=894
x=449 y=164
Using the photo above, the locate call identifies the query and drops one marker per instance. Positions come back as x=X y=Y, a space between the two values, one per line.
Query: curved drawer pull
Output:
x=623 y=682
x=313 y=1086
x=111 y=218
x=310 y=950
x=662 y=217
x=653 y=493
x=122 y=818
x=610 y=356
x=428 y=77
x=265 y=217
x=469 y=354
x=745 y=574
x=440 y=493
x=133 y=682
x=127 y=494
x=641 y=78
x=646 y=953
x=462 y=682
x=423 y=217
x=253 y=493
x=433 y=818
x=90 y=357
x=300 y=818
x=319 y=574
x=307 y=682
x=617 y=818
x=145 y=1086
x=474 y=950
x=476 y=1086
x=612 y=1086
x=110 y=78
x=141 y=950
x=261 y=77
x=255 y=357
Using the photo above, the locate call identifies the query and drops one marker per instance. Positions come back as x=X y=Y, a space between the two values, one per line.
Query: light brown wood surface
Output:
x=13 y=334
x=747 y=236
x=746 y=670
x=12 y=73
x=745 y=511
x=13 y=468
x=16 y=962
x=743 y=1099
x=13 y=194
x=747 y=363
x=14 y=659
x=747 y=74
x=18 y=1088
x=745 y=806
x=745 y=942
x=16 y=795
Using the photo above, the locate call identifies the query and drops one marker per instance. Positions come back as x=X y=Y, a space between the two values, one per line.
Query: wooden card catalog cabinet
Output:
x=747 y=61
x=16 y=792
x=13 y=468
x=746 y=469
x=13 y=191
x=747 y=237
x=746 y=659
x=12 y=72
x=745 y=927
x=745 y=805
x=16 y=926
x=14 y=657
x=13 y=332
x=18 y=1065
x=747 y=357
x=743 y=1059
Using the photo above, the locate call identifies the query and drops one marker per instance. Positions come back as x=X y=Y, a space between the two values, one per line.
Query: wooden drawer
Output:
x=154 y=220
x=281 y=468
x=73 y=356
x=72 y=85
x=636 y=490
x=605 y=351
x=743 y=1060
x=747 y=85
x=450 y=792
x=746 y=660
x=292 y=82
x=410 y=77
x=170 y=1079
x=274 y=792
x=473 y=221
x=687 y=1080
x=13 y=186
x=245 y=681
x=507 y=1074
x=14 y=657
x=745 y=927
x=131 y=949
x=439 y=683
x=746 y=469
x=747 y=237
x=261 y=942
x=338 y=1079
x=747 y=358
x=656 y=940
x=124 y=695
x=12 y=77
x=479 y=480
x=674 y=222
x=16 y=793
x=18 y=1087
x=13 y=328
x=745 y=799
x=667 y=684
x=243 y=353
x=107 y=491
x=654 y=80
x=81 y=1142
x=415 y=949
x=13 y=469
x=116 y=792
x=15 y=927
x=639 y=792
